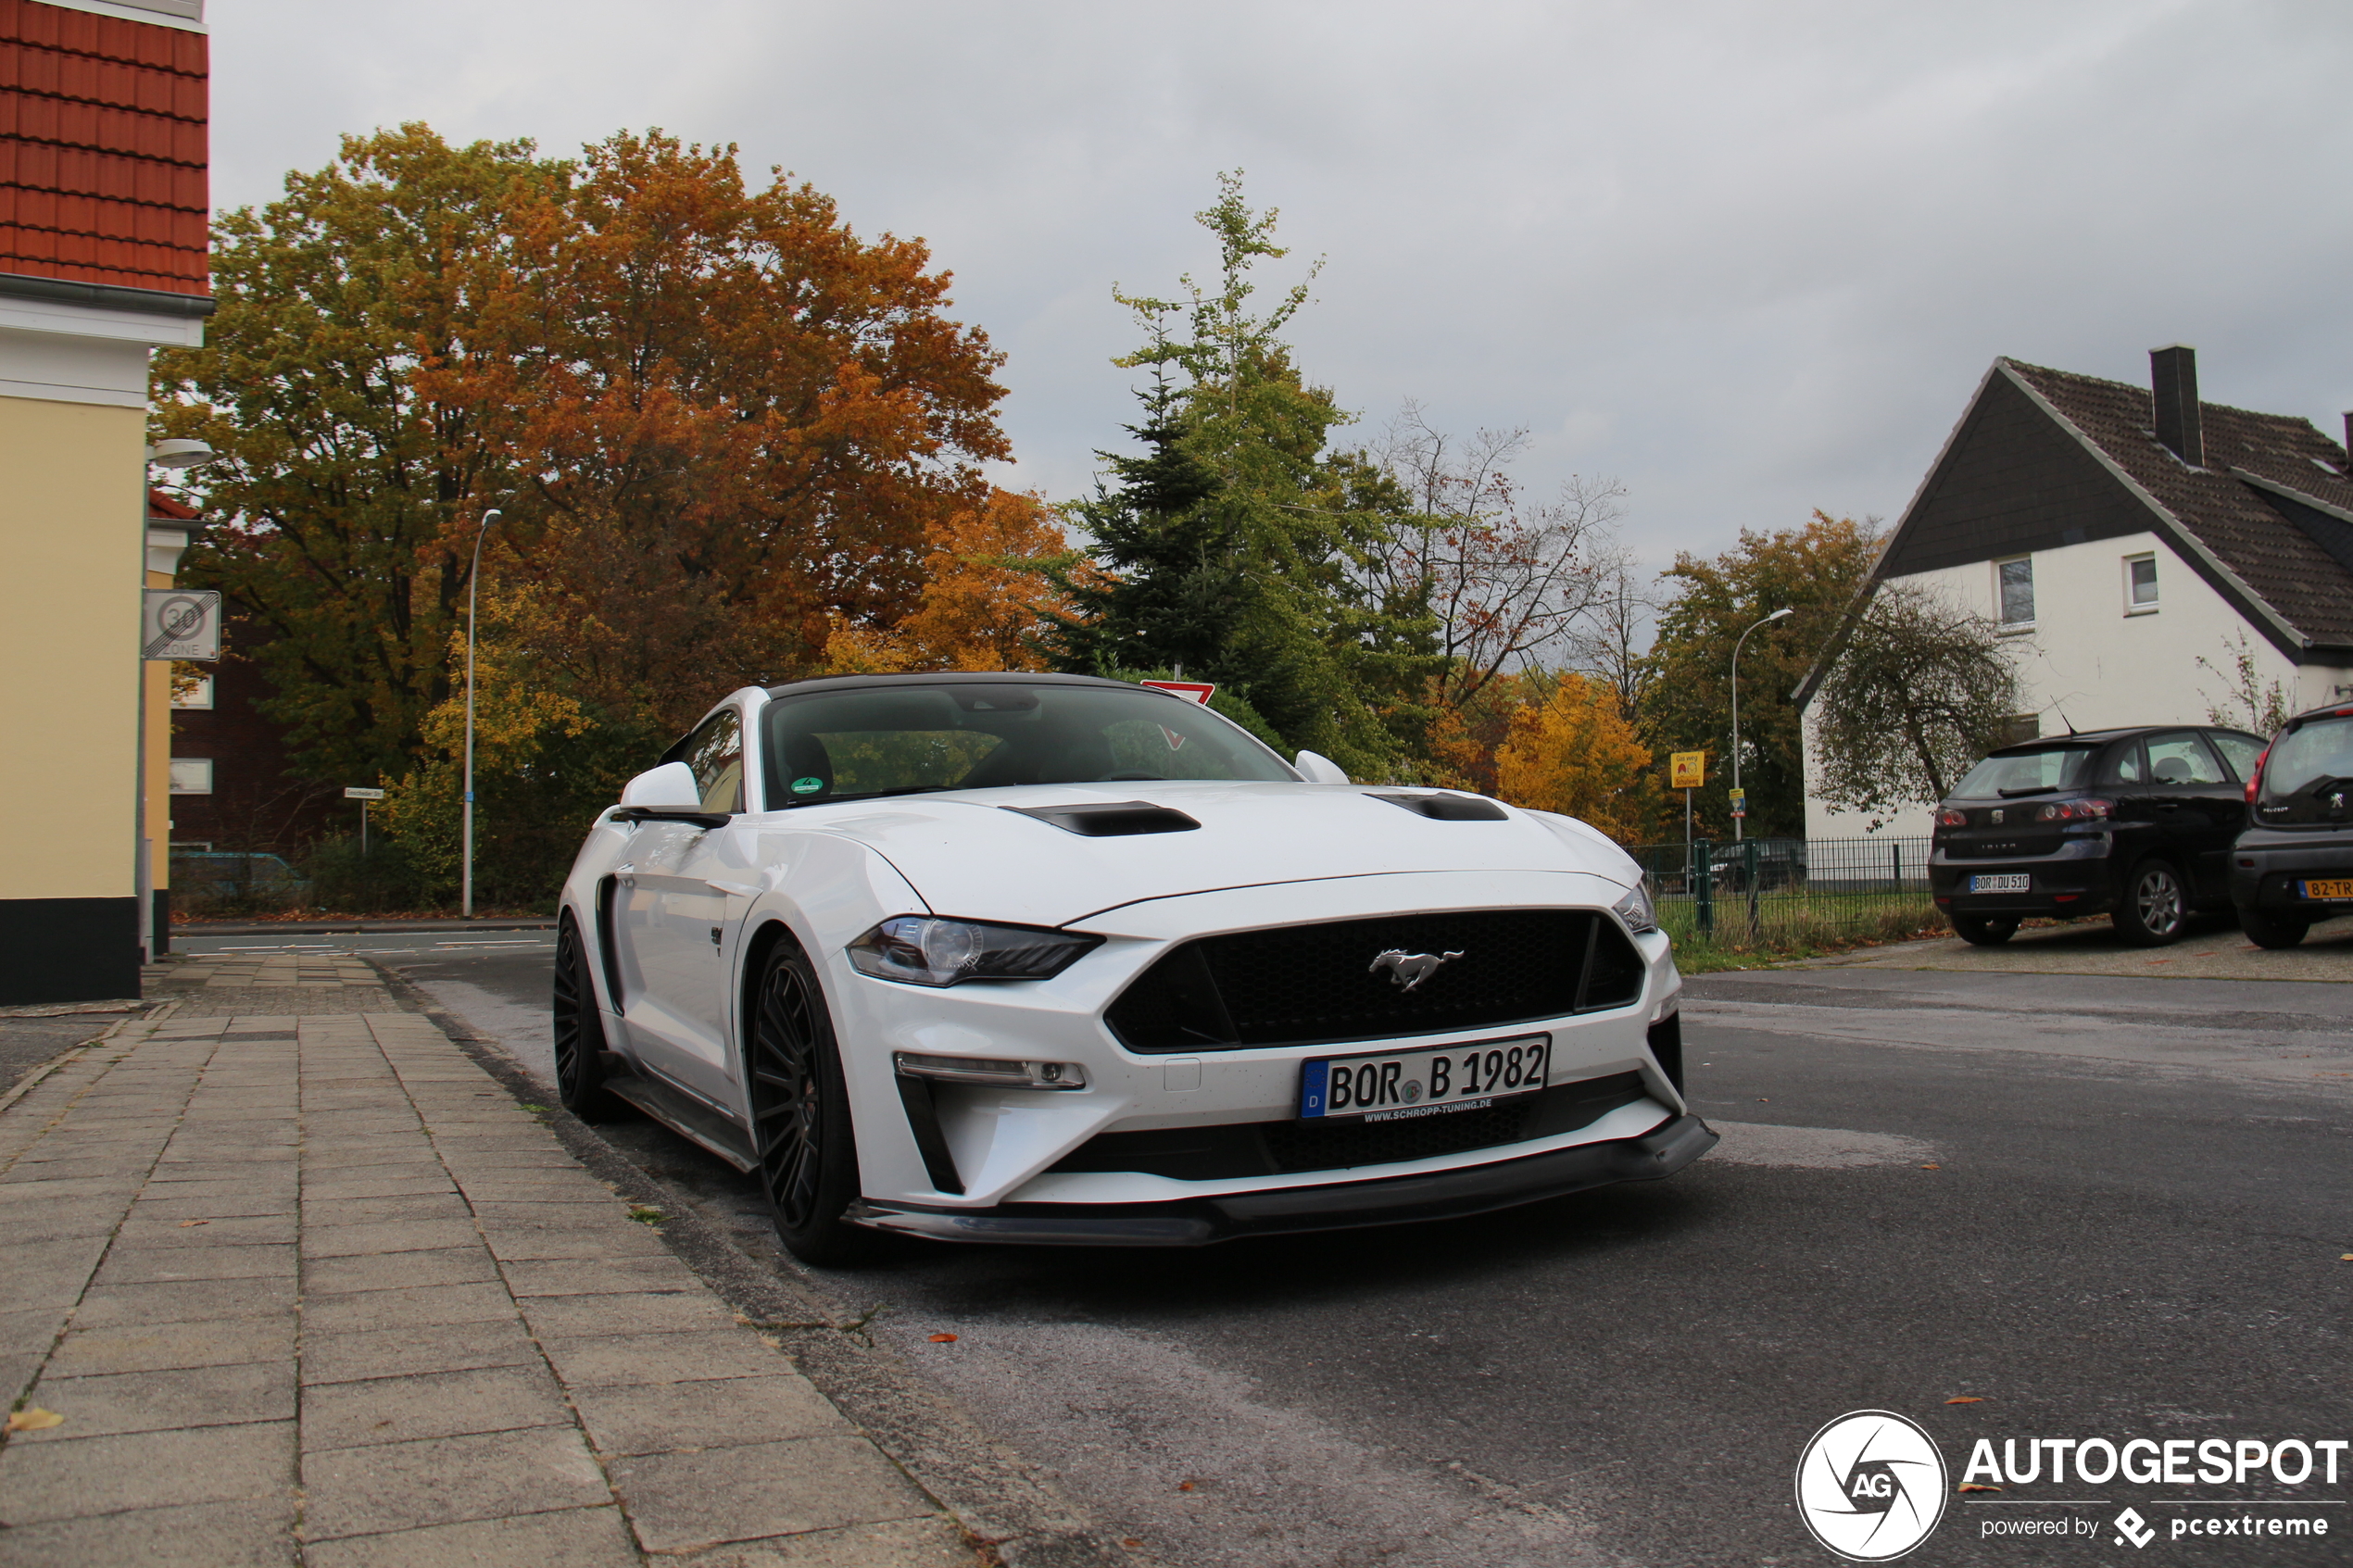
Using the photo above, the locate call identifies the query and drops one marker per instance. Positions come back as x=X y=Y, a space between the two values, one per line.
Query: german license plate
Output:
x=2009 y=881
x=1402 y=1086
x=2335 y=887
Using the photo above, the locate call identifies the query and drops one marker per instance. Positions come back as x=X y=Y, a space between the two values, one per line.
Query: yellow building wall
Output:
x=72 y=557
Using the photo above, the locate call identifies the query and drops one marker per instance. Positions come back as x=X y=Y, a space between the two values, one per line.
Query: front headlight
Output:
x=1635 y=909
x=927 y=950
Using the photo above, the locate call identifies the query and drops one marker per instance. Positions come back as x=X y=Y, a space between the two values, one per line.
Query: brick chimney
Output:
x=2173 y=378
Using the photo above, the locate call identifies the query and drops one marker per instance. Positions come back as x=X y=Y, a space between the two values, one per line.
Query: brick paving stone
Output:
x=656 y=1418
x=442 y=1480
x=398 y=1352
x=165 y=1402
x=83 y=1476
x=680 y=1500
x=437 y=1404
x=574 y=1537
x=403 y=1316
x=218 y=1535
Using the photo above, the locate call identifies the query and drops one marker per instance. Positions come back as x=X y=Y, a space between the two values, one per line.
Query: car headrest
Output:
x=2172 y=771
x=808 y=769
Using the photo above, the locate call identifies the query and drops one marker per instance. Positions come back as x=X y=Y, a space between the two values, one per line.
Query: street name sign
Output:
x=353 y=793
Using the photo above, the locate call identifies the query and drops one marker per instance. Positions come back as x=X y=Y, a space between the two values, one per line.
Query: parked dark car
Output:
x=2293 y=864
x=2137 y=825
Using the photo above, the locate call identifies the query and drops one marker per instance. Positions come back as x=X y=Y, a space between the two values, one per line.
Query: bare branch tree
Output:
x=1922 y=691
x=1506 y=580
x=1613 y=642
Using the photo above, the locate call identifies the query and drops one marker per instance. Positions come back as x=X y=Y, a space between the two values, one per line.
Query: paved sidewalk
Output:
x=309 y=1286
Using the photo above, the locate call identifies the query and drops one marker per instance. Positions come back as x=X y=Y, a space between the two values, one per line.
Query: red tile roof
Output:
x=102 y=149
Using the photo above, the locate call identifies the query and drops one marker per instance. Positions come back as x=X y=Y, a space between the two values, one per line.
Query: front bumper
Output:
x=1198 y=1221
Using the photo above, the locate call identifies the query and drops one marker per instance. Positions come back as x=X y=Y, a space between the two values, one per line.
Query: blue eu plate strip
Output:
x=1313 y=1084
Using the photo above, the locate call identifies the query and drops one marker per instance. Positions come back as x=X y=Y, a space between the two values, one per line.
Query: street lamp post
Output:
x=466 y=890
x=176 y=452
x=1737 y=820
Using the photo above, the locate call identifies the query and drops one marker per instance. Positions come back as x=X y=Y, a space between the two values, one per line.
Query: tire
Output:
x=801 y=1126
x=2155 y=909
x=1985 y=931
x=2267 y=930
x=579 y=1033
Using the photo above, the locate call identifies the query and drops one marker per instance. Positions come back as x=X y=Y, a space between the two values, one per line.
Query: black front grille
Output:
x=1275 y=1149
x=1311 y=984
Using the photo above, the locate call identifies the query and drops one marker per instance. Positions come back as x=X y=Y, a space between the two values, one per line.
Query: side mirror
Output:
x=1320 y=770
x=670 y=788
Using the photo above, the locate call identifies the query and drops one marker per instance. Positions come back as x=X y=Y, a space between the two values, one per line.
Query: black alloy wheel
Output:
x=579 y=1033
x=2156 y=910
x=800 y=1122
x=2268 y=930
x=1985 y=931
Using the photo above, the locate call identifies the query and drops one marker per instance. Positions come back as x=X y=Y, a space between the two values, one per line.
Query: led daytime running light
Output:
x=992 y=1073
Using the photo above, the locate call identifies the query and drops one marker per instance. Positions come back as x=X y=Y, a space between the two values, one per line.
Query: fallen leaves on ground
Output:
x=1931 y=1167
x=1184 y=1486
x=1967 y=1399
x=185 y=1223
x=32 y=1418
x=1978 y=1487
x=943 y=1340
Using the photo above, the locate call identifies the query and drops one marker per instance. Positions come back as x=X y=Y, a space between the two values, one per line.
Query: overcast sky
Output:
x=1749 y=259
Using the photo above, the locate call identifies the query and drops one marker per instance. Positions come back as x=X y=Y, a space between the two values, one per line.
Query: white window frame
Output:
x=193 y=767
x=2008 y=626
x=199 y=697
x=2131 y=606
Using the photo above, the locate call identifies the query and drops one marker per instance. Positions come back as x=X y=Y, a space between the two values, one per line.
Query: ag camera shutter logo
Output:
x=1871 y=1486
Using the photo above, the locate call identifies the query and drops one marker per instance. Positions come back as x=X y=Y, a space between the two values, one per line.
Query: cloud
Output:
x=1751 y=260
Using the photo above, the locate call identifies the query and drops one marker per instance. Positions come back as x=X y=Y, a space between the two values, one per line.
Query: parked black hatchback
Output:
x=2293 y=864
x=2136 y=825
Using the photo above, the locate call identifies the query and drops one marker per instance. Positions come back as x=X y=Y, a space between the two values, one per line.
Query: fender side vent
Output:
x=1117 y=819
x=1445 y=808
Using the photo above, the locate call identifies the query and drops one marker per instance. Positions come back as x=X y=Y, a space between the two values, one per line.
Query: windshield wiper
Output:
x=2038 y=790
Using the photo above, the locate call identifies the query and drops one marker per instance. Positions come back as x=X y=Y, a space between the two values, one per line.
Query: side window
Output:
x=2239 y=751
x=2140 y=584
x=715 y=751
x=2014 y=591
x=2125 y=765
x=2183 y=758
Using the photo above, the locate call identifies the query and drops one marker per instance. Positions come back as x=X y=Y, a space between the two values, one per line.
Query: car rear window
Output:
x=2319 y=753
x=2010 y=772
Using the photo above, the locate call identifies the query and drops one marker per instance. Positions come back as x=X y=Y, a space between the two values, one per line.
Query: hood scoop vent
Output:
x=1445 y=808
x=1115 y=818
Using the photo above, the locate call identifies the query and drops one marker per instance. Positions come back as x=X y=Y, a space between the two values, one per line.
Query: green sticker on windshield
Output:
x=807 y=786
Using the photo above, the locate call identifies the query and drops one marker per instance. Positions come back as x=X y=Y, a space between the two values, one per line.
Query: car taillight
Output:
x=2076 y=811
x=1950 y=819
x=2254 y=779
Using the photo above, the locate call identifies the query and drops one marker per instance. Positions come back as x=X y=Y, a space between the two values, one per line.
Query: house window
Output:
x=2022 y=727
x=191 y=776
x=2014 y=591
x=2140 y=584
x=195 y=694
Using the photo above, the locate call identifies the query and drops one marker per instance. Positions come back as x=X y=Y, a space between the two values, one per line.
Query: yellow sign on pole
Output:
x=1687 y=769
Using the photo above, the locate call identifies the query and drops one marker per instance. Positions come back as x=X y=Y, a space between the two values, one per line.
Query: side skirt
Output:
x=684 y=1115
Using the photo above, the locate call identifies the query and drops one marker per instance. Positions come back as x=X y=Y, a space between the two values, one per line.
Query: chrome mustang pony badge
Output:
x=1408 y=970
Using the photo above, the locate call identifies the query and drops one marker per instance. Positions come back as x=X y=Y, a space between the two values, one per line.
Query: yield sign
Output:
x=1192 y=691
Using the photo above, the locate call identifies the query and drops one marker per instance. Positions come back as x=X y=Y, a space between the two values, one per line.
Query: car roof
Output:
x=2101 y=737
x=947 y=677
x=2332 y=710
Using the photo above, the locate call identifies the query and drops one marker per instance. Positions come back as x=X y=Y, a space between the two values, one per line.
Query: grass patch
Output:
x=1796 y=926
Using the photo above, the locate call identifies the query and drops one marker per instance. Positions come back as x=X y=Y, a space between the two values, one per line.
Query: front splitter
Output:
x=1391 y=1200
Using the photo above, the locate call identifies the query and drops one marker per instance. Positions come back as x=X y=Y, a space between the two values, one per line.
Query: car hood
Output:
x=968 y=855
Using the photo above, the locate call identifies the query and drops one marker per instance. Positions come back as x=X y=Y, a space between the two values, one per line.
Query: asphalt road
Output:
x=2096 y=1206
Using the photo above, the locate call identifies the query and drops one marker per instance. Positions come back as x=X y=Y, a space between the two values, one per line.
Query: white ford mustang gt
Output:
x=1049 y=958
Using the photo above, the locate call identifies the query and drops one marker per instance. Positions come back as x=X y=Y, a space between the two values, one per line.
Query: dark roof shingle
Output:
x=2257 y=542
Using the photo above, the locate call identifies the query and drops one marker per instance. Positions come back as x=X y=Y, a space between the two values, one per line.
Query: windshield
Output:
x=2048 y=768
x=2319 y=753
x=905 y=739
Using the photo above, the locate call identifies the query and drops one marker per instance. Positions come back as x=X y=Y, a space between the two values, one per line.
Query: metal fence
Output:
x=1789 y=892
